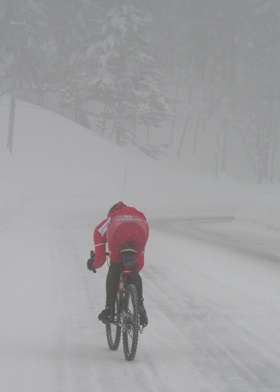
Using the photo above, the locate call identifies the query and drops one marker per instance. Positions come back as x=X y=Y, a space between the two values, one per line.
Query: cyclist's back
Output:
x=127 y=227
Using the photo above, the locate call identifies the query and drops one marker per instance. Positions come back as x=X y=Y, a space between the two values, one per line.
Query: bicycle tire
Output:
x=113 y=329
x=130 y=322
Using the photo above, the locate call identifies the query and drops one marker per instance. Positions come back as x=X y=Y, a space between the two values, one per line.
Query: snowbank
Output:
x=57 y=166
x=261 y=210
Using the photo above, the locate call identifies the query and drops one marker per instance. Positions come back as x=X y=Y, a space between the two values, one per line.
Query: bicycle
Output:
x=125 y=313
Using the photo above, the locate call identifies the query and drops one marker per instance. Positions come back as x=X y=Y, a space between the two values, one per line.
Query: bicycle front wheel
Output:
x=113 y=329
x=130 y=322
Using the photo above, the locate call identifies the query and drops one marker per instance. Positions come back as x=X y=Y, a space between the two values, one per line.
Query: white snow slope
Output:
x=213 y=311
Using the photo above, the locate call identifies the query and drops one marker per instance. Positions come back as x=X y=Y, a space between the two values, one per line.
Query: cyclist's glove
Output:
x=90 y=262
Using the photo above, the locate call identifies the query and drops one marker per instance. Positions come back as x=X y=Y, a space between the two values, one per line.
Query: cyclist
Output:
x=124 y=227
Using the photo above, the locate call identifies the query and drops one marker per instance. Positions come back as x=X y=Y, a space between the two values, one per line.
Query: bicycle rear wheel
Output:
x=130 y=323
x=113 y=329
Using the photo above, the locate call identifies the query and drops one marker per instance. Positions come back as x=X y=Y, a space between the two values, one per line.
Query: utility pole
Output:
x=15 y=23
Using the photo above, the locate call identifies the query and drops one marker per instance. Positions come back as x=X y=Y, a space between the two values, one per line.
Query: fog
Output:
x=211 y=275
x=172 y=107
x=191 y=79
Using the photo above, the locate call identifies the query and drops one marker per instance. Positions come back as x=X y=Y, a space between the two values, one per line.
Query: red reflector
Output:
x=127 y=271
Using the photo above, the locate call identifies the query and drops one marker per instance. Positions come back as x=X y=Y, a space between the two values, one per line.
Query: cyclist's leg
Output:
x=112 y=285
x=137 y=281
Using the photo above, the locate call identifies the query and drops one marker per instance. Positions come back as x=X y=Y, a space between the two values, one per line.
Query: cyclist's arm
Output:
x=100 y=239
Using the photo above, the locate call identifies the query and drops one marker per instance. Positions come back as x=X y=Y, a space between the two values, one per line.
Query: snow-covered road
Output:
x=213 y=316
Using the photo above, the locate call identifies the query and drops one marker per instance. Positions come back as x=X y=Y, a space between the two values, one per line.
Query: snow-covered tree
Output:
x=126 y=73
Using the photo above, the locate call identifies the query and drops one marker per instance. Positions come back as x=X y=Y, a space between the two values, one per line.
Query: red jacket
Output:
x=126 y=226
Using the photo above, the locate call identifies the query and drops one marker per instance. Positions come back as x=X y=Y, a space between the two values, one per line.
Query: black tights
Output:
x=112 y=283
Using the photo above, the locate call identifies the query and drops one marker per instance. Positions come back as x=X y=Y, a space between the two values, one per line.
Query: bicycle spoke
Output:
x=113 y=330
x=131 y=323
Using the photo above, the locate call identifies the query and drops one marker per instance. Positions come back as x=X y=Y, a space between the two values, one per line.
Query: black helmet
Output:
x=116 y=207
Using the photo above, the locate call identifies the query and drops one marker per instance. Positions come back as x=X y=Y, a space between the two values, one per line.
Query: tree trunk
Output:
x=224 y=152
x=175 y=108
x=183 y=137
x=195 y=134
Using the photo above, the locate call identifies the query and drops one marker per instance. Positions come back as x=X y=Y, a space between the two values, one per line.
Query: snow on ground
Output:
x=214 y=320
